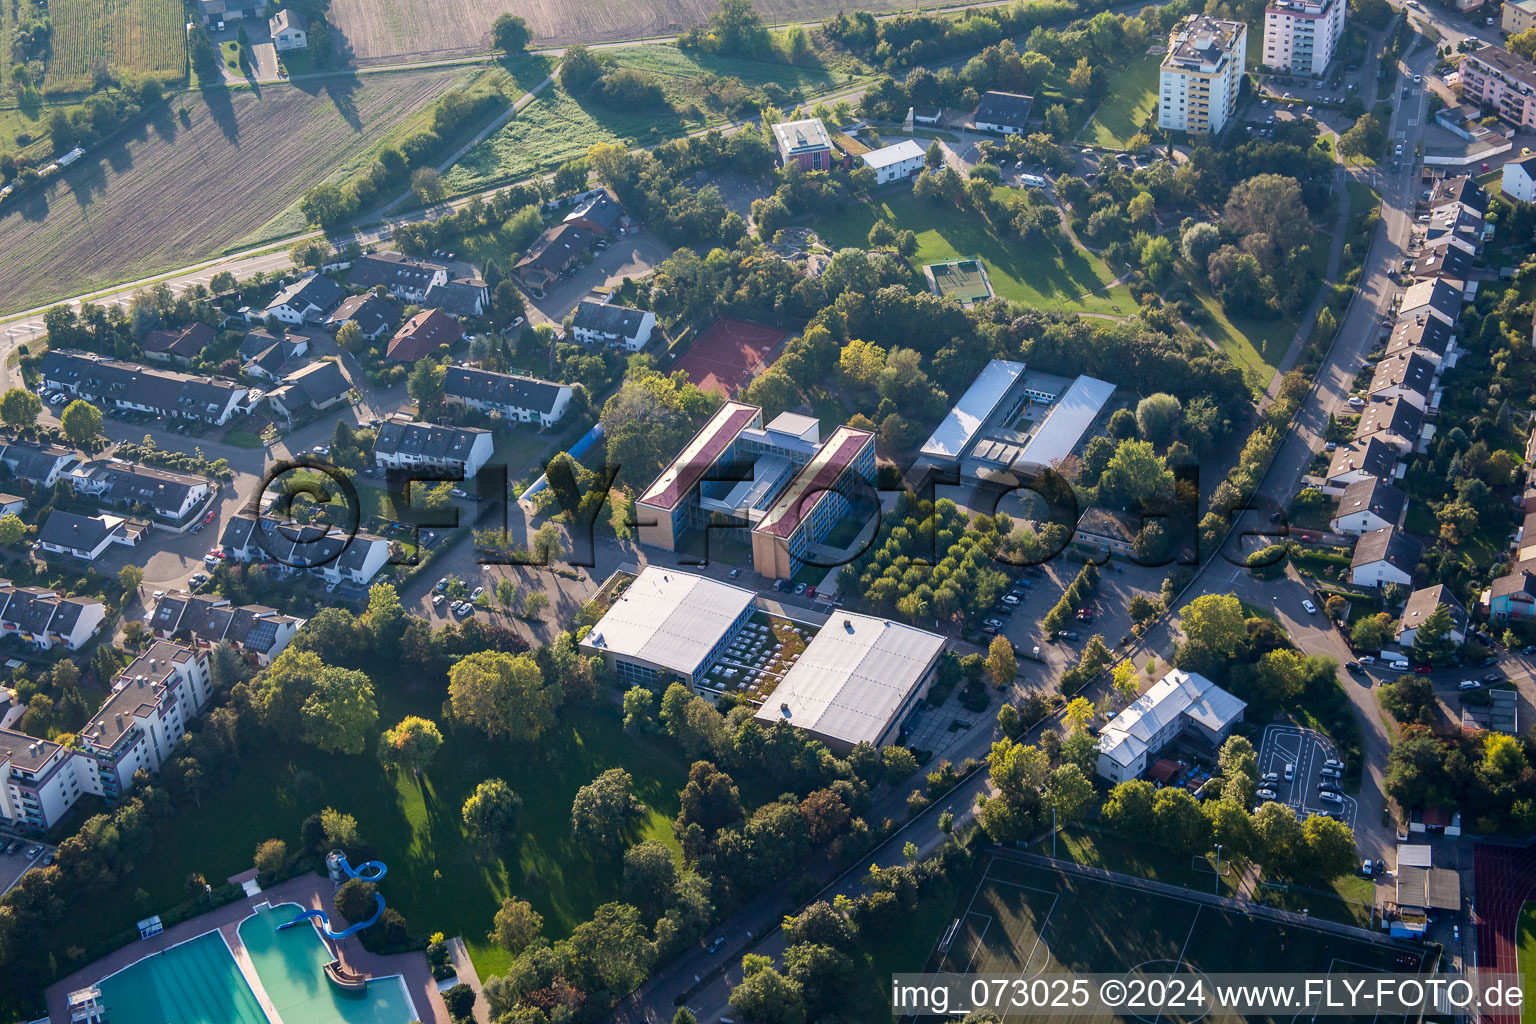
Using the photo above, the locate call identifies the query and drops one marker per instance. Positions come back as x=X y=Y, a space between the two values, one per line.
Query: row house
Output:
x=165 y=393
x=509 y=396
x=204 y=621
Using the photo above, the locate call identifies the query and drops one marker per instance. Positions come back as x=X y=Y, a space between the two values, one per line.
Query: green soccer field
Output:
x=1026 y=920
x=961 y=281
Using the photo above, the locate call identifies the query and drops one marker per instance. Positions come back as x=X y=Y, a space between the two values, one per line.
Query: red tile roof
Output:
x=421 y=334
x=813 y=482
x=699 y=454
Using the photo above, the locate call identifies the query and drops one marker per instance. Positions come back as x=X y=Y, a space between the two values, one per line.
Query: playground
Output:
x=1024 y=919
x=729 y=352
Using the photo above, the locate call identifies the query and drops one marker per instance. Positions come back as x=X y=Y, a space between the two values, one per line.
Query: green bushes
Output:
x=1075 y=596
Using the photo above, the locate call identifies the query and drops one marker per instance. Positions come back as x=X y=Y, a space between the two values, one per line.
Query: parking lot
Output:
x=13 y=865
x=1308 y=754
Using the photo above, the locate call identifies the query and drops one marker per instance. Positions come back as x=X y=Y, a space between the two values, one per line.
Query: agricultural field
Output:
x=137 y=36
x=556 y=127
x=1076 y=280
x=375 y=32
x=230 y=174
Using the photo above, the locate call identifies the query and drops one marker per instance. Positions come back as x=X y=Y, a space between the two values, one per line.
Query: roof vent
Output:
x=848 y=625
x=784 y=710
x=118 y=718
x=139 y=680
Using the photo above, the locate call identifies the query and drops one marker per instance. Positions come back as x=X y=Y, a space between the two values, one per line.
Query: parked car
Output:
x=1468 y=684
x=1069 y=634
x=1009 y=599
x=1266 y=794
x=1333 y=762
x=1328 y=796
x=1366 y=867
x=1367 y=659
x=799 y=589
x=1270 y=777
x=479 y=592
x=1330 y=773
x=33 y=852
x=733 y=574
x=1492 y=677
x=437 y=600
x=714 y=947
x=989 y=628
x=442 y=585
x=1355 y=667
x=1381 y=866
x=1422 y=670
x=1309 y=606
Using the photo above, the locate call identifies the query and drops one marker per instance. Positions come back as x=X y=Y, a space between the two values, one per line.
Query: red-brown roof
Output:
x=815 y=480
x=1163 y=770
x=421 y=334
x=699 y=454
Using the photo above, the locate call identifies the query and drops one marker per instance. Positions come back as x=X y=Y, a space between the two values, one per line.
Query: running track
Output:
x=1505 y=878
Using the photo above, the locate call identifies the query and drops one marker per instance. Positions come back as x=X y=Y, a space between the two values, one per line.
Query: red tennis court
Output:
x=729 y=352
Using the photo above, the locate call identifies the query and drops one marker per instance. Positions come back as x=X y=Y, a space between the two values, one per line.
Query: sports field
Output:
x=1025 y=919
x=728 y=353
x=961 y=280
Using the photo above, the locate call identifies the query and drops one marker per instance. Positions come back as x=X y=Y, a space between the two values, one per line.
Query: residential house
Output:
x=1427 y=336
x=554 y=252
x=1512 y=597
x=314 y=387
x=805 y=144
x=509 y=396
x=422 y=334
x=88 y=538
x=599 y=214
x=1432 y=298
x=400 y=275
x=41 y=782
x=374 y=316
x=43 y=618
x=39 y=464
x=1006 y=113
x=1525 y=540
x=1515 y=17
x=1361 y=460
x=463 y=297
x=1394 y=421
x=1519 y=176
x=1179 y=705
x=1371 y=503
x=215 y=11
x=1447 y=262
x=595 y=323
x=1300 y=35
x=1108 y=531
x=1408 y=376
x=1501 y=82
x=359 y=562
x=290 y=30
x=1462 y=191
x=270 y=355
x=169 y=495
x=206 y=620
x=1451 y=226
x=242 y=540
x=402 y=444
x=1383 y=556
x=895 y=163
x=1424 y=601
x=1201 y=74
x=306 y=300
x=181 y=345
x=11 y=504
x=167 y=393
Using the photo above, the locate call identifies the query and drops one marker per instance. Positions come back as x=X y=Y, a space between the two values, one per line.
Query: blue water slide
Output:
x=368 y=871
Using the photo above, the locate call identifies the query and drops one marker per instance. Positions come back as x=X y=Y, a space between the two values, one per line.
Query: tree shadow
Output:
x=341 y=87
x=221 y=107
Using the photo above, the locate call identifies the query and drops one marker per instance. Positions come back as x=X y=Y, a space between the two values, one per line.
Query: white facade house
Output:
x=45 y=619
x=431 y=445
x=1384 y=556
x=1301 y=36
x=360 y=561
x=1421 y=604
x=290 y=30
x=595 y=323
x=895 y=163
x=41 y=781
x=1201 y=74
x=308 y=299
x=1370 y=503
x=1180 y=702
x=510 y=396
x=1519 y=179
x=85 y=537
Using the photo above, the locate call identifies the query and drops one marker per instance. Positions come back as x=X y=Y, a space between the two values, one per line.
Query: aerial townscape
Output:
x=686 y=512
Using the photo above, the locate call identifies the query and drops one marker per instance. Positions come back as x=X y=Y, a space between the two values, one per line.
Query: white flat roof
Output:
x=1065 y=426
x=669 y=618
x=968 y=415
x=906 y=149
x=853 y=677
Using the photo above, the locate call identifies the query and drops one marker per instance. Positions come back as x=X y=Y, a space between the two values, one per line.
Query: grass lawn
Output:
x=1256 y=346
x=1144 y=860
x=1130 y=100
x=1349 y=903
x=436 y=879
x=1036 y=276
x=1526 y=944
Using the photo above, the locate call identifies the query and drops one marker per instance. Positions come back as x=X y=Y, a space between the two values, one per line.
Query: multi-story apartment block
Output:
x=41 y=781
x=1502 y=82
x=1201 y=75
x=1300 y=36
x=1517 y=16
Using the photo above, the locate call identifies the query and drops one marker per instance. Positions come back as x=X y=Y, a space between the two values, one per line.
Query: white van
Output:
x=1398 y=666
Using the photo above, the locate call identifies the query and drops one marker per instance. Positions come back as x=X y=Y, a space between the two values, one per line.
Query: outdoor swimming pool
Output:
x=290 y=965
x=196 y=982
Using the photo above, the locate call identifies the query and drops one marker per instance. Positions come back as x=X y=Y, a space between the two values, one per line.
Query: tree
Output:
x=1432 y=643
x=270 y=857
x=1002 y=665
x=649 y=875
x=510 y=34
x=1278 y=837
x=490 y=813
x=882 y=235
x=1136 y=475
x=1214 y=633
x=1330 y=848
x=129 y=577
x=1524 y=43
x=765 y=996
x=19 y=408
x=340 y=830
x=1178 y=821
x=1503 y=760
x=12 y=529
x=357 y=900
x=1372 y=633
x=1068 y=792
x=1237 y=756
x=1198 y=241
x=1017 y=770
x=516 y=925
x=545 y=545
x=1126 y=683
x=460 y=999
x=81 y=422
x=861 y=363
x=1365 y=137
x=1079 y=713
x=535 y=605
x=1128 y=808
x=411 y=745
x=1269 y=204
x=604 y=809
x=349 y=336
x=639 y=707
x=427 y=184
x=503 y=695
x=933 y=157
x=1157 y=416
x=339 y=714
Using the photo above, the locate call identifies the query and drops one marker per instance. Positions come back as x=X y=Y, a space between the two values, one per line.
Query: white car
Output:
x=1009 y=599
x=1310 y=607
x=1356 y=402
x=1270 y=777
x=1330 y=797
x=57 y=399
x=1266 y=794
x=479 y=592
x=1333 y=763
x=1330 y=773
x=437 y=600
x=1468 y=684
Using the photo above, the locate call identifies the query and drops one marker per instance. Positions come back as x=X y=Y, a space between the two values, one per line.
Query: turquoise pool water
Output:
x=290 y=965
x=196 y=982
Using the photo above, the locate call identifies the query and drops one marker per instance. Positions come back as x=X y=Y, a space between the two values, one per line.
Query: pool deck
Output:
x=310 y=891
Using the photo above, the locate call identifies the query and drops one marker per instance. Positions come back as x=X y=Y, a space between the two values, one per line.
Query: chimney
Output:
x=118 y=718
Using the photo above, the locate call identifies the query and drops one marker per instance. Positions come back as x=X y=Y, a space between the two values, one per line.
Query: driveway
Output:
x=632 y=256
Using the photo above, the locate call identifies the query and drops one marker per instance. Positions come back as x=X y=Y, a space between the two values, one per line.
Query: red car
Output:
x=208 y=518
x=1422 y=670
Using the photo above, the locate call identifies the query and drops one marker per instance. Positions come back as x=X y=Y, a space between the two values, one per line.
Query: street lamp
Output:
x=1218 y=868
